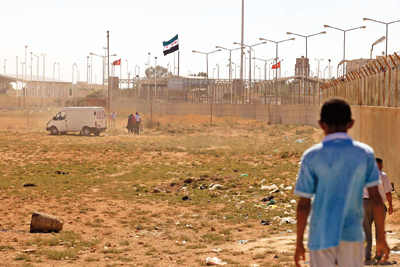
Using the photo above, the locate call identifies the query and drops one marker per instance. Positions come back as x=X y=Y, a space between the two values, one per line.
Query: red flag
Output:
x=117 y=62
x=276 y=66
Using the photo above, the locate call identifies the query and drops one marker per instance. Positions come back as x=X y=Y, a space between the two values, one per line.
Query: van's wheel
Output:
x=86 y=131
x=96 y=133
x=54 y=130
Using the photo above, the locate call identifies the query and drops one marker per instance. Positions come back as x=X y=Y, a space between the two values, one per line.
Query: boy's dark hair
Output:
x=336 y=111
x=379 y=160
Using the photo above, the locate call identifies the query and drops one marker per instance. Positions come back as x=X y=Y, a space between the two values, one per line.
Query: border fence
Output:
x=374 y=84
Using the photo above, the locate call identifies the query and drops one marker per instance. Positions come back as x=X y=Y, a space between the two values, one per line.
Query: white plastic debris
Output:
x=216 y=186
x=293 y=201
x=215 y=261
x=288 y=188
x=266 y=187
x=287 y=220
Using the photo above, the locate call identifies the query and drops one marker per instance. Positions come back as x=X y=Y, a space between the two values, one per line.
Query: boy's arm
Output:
x=389 y=199
x=303 y=209
x=378 y=212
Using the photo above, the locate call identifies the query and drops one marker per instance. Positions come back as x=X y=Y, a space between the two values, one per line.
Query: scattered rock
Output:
x=31 y=250
x=28 y=184
x=189 y=226
x=264 y=222
x=188 y=180
x=276 y=257
x=293 y=201
x=157 y=228
x=140 y=243
x=266 y=199
x=156 y=190
x=213 y=229
x=186 y=198
x=42 y=222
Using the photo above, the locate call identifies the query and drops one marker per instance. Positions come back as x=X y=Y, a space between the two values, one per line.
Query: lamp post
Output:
x=250 y=46
x=31 y=71
x=148 y=66
x=230 y=59
x=5 y=61
x=26 y=87
x=318 y=64
x=265 y=65
x=155 y=76
x=276 y=56
x=217 y=71
x=54 y=69
x=104 y=63
x=380 y=40
x=213 y=73
x=168 y=67
x=127 y=70
x=73 y=65
x=17 y=74
x=387 y=26
x=307 y=68
x=37 y=75
x=87 y=70
x=344 y=38
x=44 y=70
x=324 y=72
x=206 y=53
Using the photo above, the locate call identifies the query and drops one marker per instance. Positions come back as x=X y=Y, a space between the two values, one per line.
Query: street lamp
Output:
x=54 y=68
x=250 y=46
x=307 y=69
x=5 y=61
x=206 y=53
x=217 y=71
x=37 y=76
x=265 y=65
x=318 y=64
x=380 y=40
x=104 y=63
x=387 y=25
x=276 y=50
x=344 y=37
x=230 y=59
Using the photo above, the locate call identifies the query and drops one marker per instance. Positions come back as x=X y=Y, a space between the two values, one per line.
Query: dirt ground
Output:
x=120 y=196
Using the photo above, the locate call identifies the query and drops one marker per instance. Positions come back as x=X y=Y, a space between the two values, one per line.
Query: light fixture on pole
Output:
x=344 y=36
x=127 y=71
x=54 y=69
x=217 y=71
x=250 y=58
x=387 y=26
x=230 y=58
x=307 y=67
x=206 y=53
x=104 y=63
x=37 y=75
x=265 y=65
x=380 y=40
x=276 y=56
x=5 y=61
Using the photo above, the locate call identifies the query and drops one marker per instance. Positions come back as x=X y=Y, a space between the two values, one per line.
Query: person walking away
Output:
x=385 y=188
x=137 y=122
x=129 y=124
x=113 y=116
x=334 y=173
x=133 y=123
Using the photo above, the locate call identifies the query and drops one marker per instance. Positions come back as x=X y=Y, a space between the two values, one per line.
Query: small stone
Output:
x=213 y=229
x=156 y=190
x=188 y=180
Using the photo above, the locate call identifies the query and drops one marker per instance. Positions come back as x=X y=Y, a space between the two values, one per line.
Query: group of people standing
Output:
x=134 y=124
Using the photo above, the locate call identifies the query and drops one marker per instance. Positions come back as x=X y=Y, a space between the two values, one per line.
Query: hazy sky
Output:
x=67 y=31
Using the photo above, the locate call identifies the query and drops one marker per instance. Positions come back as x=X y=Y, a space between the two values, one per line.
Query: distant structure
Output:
x=302 y=66
x=354 y=64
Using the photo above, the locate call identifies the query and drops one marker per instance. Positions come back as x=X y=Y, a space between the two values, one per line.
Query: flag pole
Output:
x=178 y=62
x=174 y=64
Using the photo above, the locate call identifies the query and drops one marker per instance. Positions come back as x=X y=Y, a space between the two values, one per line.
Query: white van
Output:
x=79 y=119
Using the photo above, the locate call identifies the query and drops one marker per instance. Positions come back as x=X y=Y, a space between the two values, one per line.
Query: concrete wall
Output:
x=379 y=127
x=274 y=113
